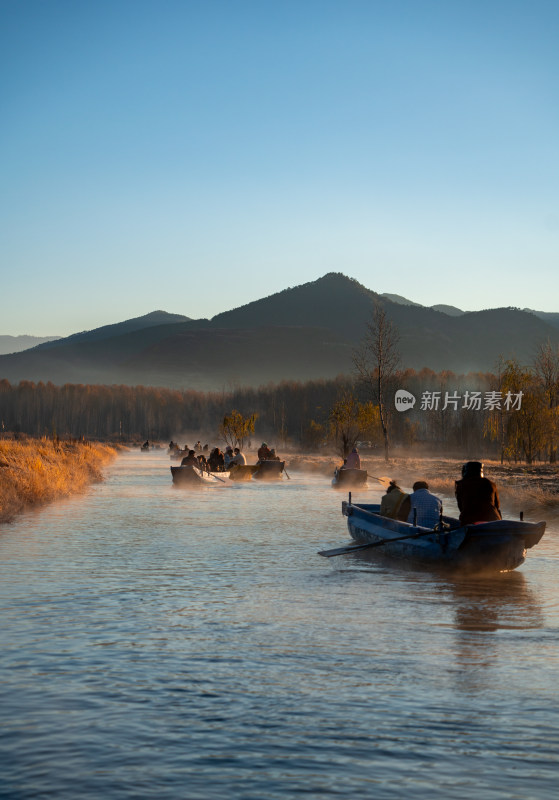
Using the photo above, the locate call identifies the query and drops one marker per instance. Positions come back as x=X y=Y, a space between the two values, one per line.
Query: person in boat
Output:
x=203 y=463
x=198 y=446
x=145 y=445
x=216 y=460
x=190 y=460
x=477 y=496
x=353 y=460
x=395 y=503
x=228 y=457
x=427 y=506
x=273 y=455
x=238 y=458
x=206 y=449
x=263 y=452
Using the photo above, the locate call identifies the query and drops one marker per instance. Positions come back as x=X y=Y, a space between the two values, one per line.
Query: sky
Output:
x=195 y=155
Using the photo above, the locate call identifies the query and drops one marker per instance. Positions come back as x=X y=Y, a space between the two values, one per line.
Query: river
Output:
x=165 y=643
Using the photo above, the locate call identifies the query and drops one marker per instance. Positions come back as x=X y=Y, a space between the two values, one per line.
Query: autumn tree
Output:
x=376 y=362
x=235 y=428
x=351 y=421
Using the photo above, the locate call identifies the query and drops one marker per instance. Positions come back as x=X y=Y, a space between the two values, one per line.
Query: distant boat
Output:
x=268 y=470
x=349 y=478
x=189 y=475
x=497 y=546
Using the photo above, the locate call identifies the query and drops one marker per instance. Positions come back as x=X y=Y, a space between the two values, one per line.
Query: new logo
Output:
x=404 y=400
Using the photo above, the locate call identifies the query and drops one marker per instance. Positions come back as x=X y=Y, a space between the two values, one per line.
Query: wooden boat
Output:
x=190 y=475
x=268 y=470
x=497 y=546
x=242 y=472
x=175 y=454
x=349 y=478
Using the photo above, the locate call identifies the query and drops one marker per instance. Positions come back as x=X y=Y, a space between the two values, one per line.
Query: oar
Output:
x=340 y=551
x=288 y=478
x=384 y=482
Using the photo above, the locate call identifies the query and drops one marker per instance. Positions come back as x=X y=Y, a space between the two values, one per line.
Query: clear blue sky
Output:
x=196 y=155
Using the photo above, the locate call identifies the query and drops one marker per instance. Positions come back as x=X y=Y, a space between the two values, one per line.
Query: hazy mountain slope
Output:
x=397 y=298
x=450 y=310
x=308 y=331
x=217 y=357
x=551 y=317
x=151 y=320
x=333 y=301
x=16 y=344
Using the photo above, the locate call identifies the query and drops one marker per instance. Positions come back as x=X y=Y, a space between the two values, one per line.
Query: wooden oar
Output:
x=384 y=482
x=340 y=551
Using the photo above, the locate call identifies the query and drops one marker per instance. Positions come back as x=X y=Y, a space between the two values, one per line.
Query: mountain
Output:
x=403 y=301
x=551 y=317
x=397 y=298
x=303 y=332
x=151 y=320
x=15 y=344
x=452 y=311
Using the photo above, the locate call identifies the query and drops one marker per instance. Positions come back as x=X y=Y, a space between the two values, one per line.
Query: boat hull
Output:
x=241 y=472
x=491 y=546
x=349 y=478
x=268 y=470
x=192 y=476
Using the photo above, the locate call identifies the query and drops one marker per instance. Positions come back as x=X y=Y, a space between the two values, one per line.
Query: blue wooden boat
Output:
x=497 y=546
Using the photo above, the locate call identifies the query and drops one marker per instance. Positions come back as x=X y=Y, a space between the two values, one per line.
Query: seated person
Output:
x=477 y=497
x=202 y=463
x=273 y=456
x=353 y=461
x=238 y=458
x=428 y=506
x=263 y=452
x=395 y=503
x=216 y=460
x=190 y=460
x=228 y=457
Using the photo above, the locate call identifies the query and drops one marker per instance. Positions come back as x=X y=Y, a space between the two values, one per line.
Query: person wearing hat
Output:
x=353 y=460
x=425 y=508
x=477 y=496
x=395 y=503
x=263 y=452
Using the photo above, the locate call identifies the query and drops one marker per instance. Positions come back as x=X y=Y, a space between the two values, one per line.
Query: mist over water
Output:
x=167 y=643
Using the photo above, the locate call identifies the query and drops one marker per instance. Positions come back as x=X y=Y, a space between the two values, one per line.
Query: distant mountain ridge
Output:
x=151 y=320
x=16 y=344
x=303 y=332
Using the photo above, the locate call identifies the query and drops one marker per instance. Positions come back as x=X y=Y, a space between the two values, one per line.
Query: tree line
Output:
x=511 y=414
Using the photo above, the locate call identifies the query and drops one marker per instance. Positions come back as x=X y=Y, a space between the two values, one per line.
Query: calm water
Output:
x=166 y=643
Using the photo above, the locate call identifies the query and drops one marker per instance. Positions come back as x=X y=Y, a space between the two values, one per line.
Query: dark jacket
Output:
x=478 y=500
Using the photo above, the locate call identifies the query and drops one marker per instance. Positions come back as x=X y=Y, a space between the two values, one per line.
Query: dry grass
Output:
x=36 y=471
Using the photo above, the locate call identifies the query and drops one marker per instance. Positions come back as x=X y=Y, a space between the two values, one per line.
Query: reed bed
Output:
x=38 y=471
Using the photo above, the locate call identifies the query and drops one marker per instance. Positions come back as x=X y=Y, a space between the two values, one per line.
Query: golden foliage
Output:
x=35 y=471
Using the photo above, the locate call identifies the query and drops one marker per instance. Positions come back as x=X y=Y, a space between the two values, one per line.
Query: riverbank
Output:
x=531 y=489
x=38 y=471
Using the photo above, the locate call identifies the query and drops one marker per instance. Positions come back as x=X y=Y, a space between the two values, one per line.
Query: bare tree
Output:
x=376 y=361
x=547 y=370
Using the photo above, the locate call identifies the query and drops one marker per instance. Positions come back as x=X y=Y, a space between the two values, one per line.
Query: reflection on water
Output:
x=165 y=643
